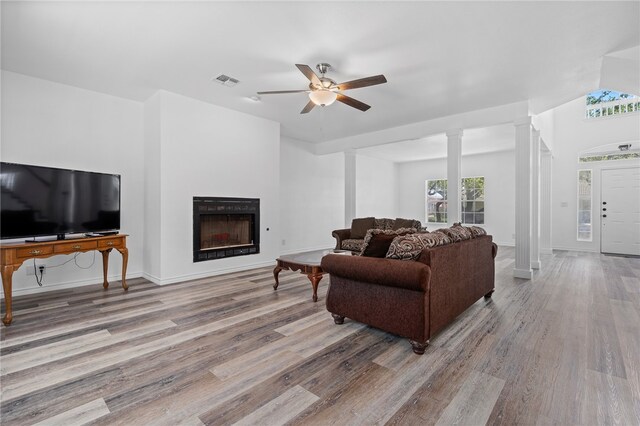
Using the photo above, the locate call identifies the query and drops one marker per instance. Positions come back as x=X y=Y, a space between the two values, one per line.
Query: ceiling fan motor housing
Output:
x=323 y=67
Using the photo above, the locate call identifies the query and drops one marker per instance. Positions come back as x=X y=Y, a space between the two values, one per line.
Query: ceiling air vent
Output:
x=225 y=80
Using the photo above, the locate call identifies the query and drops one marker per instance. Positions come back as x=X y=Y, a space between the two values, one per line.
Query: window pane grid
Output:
x=471 y=198
x=584 y=207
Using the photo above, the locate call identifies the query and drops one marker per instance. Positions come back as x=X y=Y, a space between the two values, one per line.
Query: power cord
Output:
x=74 y=259
x=35 y=272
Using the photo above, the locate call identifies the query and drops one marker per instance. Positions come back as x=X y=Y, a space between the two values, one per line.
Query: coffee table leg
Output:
x=276 y=271
x=315 y=279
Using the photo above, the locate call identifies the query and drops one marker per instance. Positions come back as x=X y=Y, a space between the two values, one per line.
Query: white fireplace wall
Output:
x=207 y=150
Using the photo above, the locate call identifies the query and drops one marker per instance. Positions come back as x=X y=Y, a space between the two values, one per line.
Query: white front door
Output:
x=620 y=211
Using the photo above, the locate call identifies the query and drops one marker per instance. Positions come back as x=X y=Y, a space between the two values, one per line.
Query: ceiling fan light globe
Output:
x=323 y=97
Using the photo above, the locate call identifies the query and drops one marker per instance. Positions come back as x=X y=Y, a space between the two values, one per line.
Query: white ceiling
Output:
x=474 y=141
x=439 y=58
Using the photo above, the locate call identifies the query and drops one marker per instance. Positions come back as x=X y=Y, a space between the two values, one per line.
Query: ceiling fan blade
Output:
x=278 y=92
x=308 y=72
x=308 y=107
x=362 y=82
x=352 y=102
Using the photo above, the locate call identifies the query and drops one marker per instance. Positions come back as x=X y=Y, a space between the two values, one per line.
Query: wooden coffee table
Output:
x=307 y=263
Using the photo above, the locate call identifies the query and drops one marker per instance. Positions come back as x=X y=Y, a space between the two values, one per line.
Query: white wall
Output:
x=376 y=188
x=152 y=261
x=51 y=124
x=574 y=134
x=207 y=150
x=498 y=168
x=311 y=197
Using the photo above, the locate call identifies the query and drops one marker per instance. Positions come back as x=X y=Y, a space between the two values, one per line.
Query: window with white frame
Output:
x=471 y=199
x=584 y=206
x=604 y=103
x=436 y=201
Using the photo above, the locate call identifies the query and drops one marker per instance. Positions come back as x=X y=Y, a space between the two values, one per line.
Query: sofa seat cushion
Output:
x=409 y=247
x=377 y=241
x=353 y=244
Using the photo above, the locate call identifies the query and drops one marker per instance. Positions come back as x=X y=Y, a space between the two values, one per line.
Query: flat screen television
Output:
x=44 y=201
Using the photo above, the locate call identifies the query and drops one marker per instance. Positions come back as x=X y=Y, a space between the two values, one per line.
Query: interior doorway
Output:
x=620 y=211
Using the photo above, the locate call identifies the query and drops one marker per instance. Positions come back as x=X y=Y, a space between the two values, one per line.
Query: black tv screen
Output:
x=41 y=201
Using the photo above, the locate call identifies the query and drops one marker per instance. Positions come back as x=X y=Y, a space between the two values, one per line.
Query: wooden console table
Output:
x=13 y=255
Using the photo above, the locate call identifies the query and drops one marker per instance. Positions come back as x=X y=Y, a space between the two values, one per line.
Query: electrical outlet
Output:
x=41 y=267
x=284 y=242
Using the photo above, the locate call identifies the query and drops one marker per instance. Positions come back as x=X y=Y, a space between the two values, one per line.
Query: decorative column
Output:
x=454 y=175
x=546 y=162
x=349 y=186
x=523 y=198
x=535 y=199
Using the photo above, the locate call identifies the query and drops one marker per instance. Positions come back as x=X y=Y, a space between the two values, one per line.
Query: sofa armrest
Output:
x=494 y=250
x=404 y=274
x=340 y=235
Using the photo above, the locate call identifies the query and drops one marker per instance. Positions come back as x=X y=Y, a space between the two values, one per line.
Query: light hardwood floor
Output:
x=563 y=348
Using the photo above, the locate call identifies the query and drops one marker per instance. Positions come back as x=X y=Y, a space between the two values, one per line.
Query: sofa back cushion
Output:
x=360 y=226
x=400 y=223
x=383 y=223
x=377 y=241
x=409 y=247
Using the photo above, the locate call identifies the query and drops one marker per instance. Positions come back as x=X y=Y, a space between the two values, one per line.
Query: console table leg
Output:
x=276 y=272
x=315 y=279
x=7 y=275
x=125 y=259
x=105 y=267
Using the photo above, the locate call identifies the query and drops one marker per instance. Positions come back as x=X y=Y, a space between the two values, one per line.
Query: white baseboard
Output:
x=527 y=274
x=509 y=244
x=303 y=250
x=71 y=284
x=546 y=251
x=587 y=250
x=195 y=276
x=152 y=278
x=535 y=264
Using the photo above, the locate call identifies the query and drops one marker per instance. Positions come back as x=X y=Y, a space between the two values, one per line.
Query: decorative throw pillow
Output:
x=377 y=241
x=360 y=226
x=400 y=223
x=451 y=233
x=434 y=239
x=463 y=230
x=409 y=247
x=476 y=231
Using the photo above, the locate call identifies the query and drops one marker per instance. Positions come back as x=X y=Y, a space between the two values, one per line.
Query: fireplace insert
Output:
x=225 y=227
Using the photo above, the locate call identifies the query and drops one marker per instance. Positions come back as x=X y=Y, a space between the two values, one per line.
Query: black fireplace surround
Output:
x=225 y=227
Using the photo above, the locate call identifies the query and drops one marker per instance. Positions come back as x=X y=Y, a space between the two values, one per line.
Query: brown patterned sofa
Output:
x=412 y=298
x=345 y=240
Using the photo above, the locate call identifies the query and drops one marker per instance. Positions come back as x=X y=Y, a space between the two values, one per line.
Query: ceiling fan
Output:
x=324 y=91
